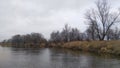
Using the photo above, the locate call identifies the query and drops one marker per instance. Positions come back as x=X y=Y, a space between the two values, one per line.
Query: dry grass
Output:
x=112 y=47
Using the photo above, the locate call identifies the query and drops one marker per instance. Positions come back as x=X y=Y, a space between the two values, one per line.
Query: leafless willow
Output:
x=101 y=19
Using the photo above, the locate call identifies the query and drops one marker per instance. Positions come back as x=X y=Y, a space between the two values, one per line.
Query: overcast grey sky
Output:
x=43 y=16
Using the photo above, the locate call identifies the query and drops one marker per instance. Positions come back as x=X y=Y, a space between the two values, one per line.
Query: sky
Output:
x=43 y=16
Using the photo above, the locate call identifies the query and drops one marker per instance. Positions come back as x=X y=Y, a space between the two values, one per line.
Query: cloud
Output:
x=43 y=16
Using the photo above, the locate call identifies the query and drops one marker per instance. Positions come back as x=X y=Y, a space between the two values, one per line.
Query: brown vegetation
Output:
x=111 y=47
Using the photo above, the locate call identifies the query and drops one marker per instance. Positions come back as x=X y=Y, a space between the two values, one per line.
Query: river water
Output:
x=54 y=58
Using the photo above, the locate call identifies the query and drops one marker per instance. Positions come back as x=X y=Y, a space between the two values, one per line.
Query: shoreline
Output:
x=99 y=47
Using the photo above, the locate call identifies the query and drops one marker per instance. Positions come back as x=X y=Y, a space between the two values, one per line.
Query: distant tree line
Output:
x=69 y=34
x=28 y=40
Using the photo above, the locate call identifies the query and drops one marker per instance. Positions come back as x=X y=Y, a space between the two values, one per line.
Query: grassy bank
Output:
x=111 y=47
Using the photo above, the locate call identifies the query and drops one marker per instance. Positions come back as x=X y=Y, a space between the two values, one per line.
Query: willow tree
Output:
x=101 y=19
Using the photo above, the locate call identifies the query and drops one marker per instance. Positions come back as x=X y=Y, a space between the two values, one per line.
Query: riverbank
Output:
x=26 y=45
x=108 y=47
x=100 y=47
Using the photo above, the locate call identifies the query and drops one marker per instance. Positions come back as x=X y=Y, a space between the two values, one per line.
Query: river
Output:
x=54 y=58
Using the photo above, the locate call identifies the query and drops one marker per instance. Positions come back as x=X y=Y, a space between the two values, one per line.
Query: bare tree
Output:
x=74 y=35
x=91 y=33
x=66 y=33
x=113 y=34
x=55 y=37
x=37 y=38
x=102 y=19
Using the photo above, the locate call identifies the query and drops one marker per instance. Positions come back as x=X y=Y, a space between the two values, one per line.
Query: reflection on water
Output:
x=54 y=58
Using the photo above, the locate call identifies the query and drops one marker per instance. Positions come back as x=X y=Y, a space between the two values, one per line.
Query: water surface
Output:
x=54 y=58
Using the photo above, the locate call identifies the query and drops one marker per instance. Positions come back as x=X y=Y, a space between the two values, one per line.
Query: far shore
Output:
x=106 y=47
